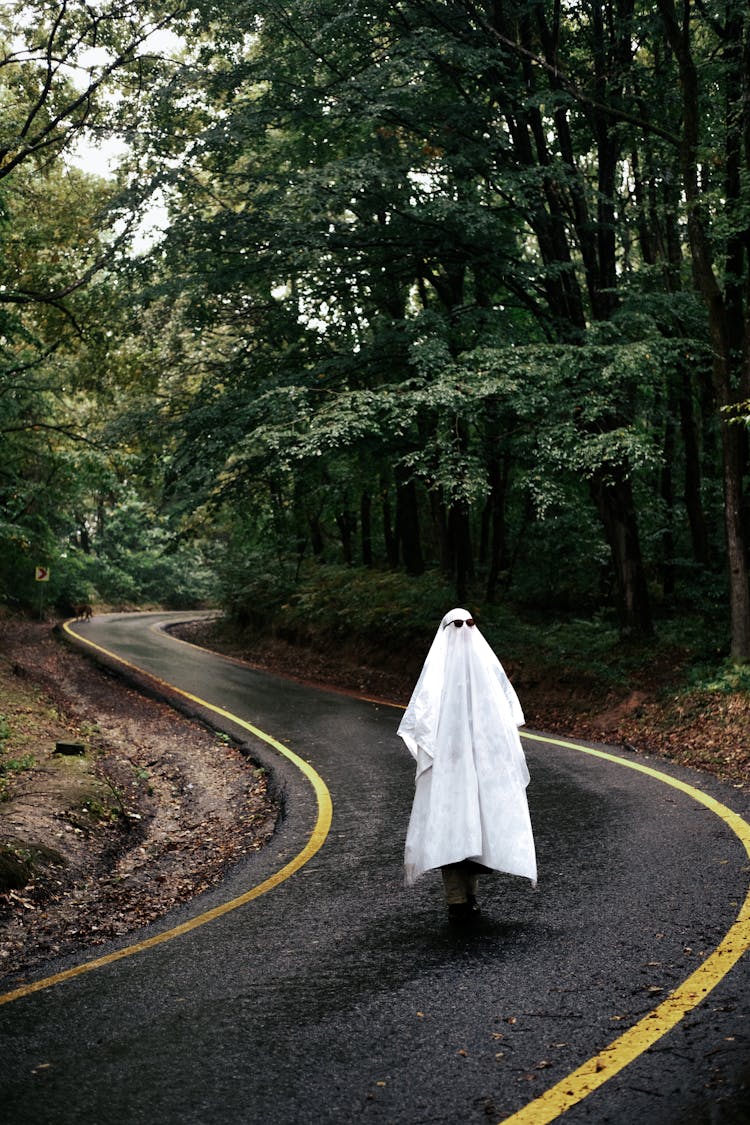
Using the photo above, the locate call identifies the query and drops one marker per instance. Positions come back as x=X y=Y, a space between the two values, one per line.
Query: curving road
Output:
x=312 y=987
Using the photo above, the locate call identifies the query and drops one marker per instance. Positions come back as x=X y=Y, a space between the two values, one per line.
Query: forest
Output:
x=333 y=313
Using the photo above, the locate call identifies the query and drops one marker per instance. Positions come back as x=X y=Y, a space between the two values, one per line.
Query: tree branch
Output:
x=564 y=82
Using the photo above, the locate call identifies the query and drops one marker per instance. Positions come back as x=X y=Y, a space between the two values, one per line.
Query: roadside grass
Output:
x=23 y=715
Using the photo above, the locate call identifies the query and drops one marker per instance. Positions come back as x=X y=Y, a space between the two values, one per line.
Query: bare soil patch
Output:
x=98 y=844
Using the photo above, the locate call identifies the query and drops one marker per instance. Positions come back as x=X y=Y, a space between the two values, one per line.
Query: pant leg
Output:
x=454 y=884
x=458 y=883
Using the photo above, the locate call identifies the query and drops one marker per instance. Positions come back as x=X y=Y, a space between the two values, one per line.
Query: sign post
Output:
x=41 y=574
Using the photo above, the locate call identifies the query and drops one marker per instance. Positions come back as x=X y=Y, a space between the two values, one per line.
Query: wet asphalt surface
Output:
x=341 y=996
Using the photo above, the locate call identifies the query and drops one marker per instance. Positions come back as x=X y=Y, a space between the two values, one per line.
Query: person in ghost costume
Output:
x=470 y=814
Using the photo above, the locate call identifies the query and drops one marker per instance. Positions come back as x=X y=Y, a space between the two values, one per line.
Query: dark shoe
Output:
x=463 y=913
x=458 y=913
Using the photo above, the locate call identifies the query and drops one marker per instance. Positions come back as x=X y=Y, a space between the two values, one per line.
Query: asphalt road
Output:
x=337 y=995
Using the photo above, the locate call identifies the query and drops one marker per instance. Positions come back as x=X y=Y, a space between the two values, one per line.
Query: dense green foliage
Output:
x=444 y=289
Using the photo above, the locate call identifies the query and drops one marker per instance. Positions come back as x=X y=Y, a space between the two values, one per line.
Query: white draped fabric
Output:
x=461 y=727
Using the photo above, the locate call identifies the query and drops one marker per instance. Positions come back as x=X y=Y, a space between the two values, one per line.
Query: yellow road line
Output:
x=637 y=1039
x=315 y=842
x=596 y=1071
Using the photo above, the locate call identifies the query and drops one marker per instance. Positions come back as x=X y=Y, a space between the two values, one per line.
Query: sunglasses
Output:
x=469 y=621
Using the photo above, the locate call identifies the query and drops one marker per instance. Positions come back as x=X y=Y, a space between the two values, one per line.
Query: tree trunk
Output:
x=83 y=537
x=439 y=521
x=316 y=536
x=459 y=530
x=389 y=531
x=347 y=525
x=667 y=494
x=613 y=497
x=733 y=446
x=407 y=527
x=692 y=485
x=499 y=478
x=727 y=310
x=365 y=522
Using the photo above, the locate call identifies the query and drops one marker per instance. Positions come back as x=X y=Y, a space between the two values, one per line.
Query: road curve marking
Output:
x=592 y=1074
x=315 y=841
x=642 y=1035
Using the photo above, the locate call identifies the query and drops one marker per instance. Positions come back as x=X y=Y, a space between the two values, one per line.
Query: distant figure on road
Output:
x=470 y=814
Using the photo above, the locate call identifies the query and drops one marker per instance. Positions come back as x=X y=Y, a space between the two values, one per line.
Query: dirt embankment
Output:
x=97 y=843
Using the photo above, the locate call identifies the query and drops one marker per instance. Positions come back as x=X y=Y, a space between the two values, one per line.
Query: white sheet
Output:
x=461 y=727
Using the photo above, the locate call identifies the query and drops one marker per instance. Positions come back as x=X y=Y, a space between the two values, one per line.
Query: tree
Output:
x=69 y=72
x=423 y=293
x=711 y=45
x=59 y=66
